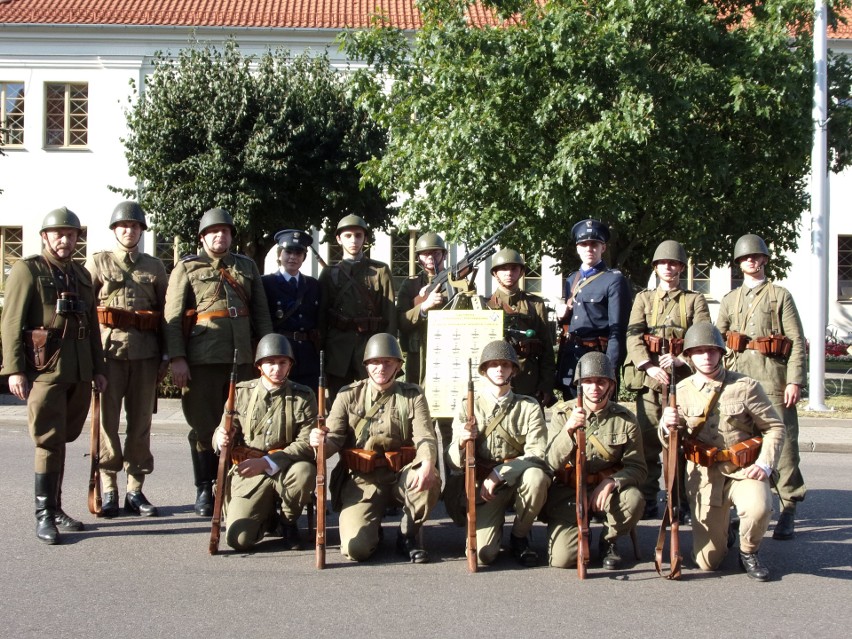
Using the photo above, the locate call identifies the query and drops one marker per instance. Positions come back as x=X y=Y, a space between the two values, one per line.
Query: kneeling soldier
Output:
x=725 y=414
x=273 y=461
x=616 y=465
x=388 y=453
x=510 y=441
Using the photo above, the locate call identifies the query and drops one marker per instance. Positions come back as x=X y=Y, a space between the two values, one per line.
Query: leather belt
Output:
x=231 y=312
x=301 y=336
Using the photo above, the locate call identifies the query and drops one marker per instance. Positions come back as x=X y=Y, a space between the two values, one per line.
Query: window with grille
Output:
x=403 y=261
x=698 y=277
x=168 y=250
x=844 y=267
x=12 y=113
x=79 y=255
x=11 y=247
x=66 y=115
x=531 y=282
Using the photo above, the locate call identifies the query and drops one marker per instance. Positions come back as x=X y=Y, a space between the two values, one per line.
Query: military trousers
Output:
x=203 y=400
x=527 y=497
x=622 y=511
x=249 y=507
x=133 y=383
x=753 y=502
x=366 y=497
x=56 y=415
x=791 y=484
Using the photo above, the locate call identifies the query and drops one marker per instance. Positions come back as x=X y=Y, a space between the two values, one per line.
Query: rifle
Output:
x=581 y=496
x=95 y=454
x=470 y=474
x=671 y=474
x=465 y=265
x=321 y=467
x=224 y=460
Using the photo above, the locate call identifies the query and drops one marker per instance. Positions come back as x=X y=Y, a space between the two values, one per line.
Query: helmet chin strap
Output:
x=506 y=383
x=271 y=383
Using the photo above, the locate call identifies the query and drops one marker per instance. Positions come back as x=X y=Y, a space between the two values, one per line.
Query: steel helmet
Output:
x=703 y=334
x=214 y=217
x=750 y=245
x=352 y=221
x=273 y=345
x=382 y=345
x=497 y=350
x=670 y=250
x=508 y=256
x=61 y=218
x=429 y=242
x=128 y=212
x=594 y=364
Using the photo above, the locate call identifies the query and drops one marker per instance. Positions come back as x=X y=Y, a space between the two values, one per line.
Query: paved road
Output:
x=153 y=577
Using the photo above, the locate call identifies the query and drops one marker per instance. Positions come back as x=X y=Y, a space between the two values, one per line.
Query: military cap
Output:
x=294 y=239
x=586 y=230
x=128 y=212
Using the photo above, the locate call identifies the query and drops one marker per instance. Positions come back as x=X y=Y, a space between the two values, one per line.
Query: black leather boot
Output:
x=750 y=563
x=608 y=552
x=109 y=505
x=135 y=503
x=411 y=548
x=204 y=466
x=786 y=527
x=62 y=519
x=45 y=507
x=204 y=500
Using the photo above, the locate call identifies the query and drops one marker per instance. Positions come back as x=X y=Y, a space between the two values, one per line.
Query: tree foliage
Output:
x=668 y=119
x=276 y=140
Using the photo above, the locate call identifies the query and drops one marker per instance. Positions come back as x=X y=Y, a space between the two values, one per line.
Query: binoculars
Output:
x=70 y=303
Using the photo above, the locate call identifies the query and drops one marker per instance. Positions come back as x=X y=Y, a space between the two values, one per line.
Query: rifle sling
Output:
x=602 y=451
x=495 y=422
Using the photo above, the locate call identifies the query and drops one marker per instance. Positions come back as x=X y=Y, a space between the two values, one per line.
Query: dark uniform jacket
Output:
x=413 y=327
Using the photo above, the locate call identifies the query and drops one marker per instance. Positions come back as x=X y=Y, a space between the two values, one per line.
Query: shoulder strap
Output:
x=579 y=286
x=602 y=451
x=371 y=411
x=708 y=408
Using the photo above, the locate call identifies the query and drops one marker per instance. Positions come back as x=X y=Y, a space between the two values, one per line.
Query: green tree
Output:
x=276 y=140
x=682 y=119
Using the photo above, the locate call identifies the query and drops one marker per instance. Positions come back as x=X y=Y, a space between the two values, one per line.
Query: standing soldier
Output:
x=658 y=322
x=358 y=302
x=510 y=437
x=388 y=452
x=597 y=305
x=214 y=304
x=274 y=462
x=131 y=290
x=294 y=301
x=725 y=414
x=52 y=355
x=615 y=468
x=767 y=343
x=525 y=313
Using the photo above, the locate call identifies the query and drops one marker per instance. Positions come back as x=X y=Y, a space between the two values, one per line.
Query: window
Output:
x=12 y=113
x=79 y=255
x=698 y=277
x=11 y=245
x=403 y=261
x=168 y=250
x=844 y=267
x=66 y=115
x=531 y=281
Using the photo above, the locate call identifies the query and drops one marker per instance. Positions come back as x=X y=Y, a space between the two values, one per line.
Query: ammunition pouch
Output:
x=741 y=454
x=242 y=453
x=42 y=346
x=529 y=347
x=655 y=344
x=773 y=346
x=737 y=342
x=591 y=343
x=365 y=461
x=123 y=319
x=187 y=322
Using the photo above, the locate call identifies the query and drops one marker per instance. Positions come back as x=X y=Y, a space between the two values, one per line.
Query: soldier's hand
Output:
x=756 y=472
x=469 y=432
x=577 y=420
x=670 y=419
x=792 y=395
x=100 y=382
x=424 y=478
x=562 y=308
x=162 y=371
x=597 y=500
x=318 y=436
x=666 y=361
x=658 y=374
x=252 y=467
x=180 y=372
x=220 y=438
x=433 y=300
x=19 y=385
x=490 y=486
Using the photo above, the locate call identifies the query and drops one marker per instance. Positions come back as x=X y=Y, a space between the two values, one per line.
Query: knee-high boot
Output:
x=45 y=507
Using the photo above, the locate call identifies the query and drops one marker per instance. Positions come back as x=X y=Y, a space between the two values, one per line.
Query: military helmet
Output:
x=352 y=221
x=750 y=245
x=670 y=250
x=214 y=217
x=382 y=345
x=430 y=242
x=61 y=218
x=128 y=212
x=703 y=334
x=594 y=364
x=497 y=350
x=273 y=345
x=508 y=256
x=586 y=230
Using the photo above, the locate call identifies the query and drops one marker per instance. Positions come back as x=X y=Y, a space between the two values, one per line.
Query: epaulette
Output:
x=623 y=410
x=301 y=388
x=31 y=258
x=249 y=383
x=189 y=258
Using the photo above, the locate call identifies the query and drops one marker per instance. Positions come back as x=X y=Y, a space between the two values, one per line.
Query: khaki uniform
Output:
x=357 y=303
x=535 y=354
x=515 y=448
x=679 y=309
x=363 y=498
x=132 y=281
x=751 y=311
x=742 y=411
x=59 y=399
x=613 y=442
x=278 y=422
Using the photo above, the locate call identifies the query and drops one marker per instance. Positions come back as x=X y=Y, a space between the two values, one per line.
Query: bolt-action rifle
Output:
x=224 y=460
x=581 y=496
x=470 y=474
x=95 y=455
x=321 y=467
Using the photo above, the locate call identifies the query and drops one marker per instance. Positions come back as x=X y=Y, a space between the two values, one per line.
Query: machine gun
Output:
x=224 y=460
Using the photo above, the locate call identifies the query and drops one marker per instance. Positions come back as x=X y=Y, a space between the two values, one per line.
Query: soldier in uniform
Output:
x=52 y=355
x=596 y=308
x=294 y=301
x=658 y=322
x=358 y=302
x=722 y=412
x=615 y=467
x=388 y=455
x=511 y=437
x=527 y=328
x=274 y=462
x=767 y=343
x=214 y=304
x=131 y=290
